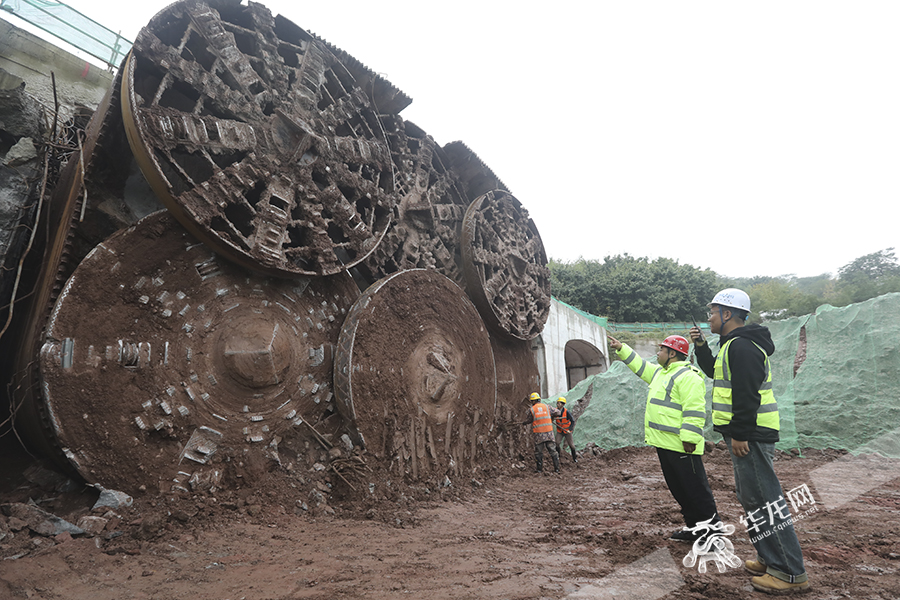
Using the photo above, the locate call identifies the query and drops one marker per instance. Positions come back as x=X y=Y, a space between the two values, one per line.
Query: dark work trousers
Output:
x=687 y=481
x=539 y=455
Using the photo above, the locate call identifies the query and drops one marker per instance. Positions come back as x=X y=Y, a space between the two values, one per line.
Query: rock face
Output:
x=21 y=136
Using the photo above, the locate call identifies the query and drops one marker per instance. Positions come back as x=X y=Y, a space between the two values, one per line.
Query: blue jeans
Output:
x=758 y=490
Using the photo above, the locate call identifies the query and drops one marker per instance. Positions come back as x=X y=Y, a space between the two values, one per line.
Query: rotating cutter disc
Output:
x=163 y=362
x=414 y=372
x=505 y=265
x=264 y=141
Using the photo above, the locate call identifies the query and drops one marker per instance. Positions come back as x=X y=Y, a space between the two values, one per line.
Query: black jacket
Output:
x=748 y=371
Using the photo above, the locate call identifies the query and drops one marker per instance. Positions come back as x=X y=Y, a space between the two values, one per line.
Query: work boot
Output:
x=684 y=535
x=574 y=458
x=556 y=463
x=772 y=585
x=755 y=567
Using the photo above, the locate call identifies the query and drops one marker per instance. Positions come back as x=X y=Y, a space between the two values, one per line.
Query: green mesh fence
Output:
x=844 y=395
x=677 y=327
x=601 y=321
x=71 y=26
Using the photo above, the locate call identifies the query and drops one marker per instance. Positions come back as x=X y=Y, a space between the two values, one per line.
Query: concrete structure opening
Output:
x=570 y=349
x=583 y=359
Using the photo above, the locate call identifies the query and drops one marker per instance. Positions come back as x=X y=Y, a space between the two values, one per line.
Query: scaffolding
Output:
x=69 y=25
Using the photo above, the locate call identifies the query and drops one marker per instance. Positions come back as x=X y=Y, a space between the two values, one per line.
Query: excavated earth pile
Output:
x=599 y=530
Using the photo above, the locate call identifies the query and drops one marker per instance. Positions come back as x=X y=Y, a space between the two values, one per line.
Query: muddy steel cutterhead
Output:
x=264 y=142
x=193 y=358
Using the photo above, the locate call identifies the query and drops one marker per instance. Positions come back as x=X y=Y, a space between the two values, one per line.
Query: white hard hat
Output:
x=733 y=298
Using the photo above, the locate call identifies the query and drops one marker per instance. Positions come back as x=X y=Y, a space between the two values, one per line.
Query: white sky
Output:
x=752 y=138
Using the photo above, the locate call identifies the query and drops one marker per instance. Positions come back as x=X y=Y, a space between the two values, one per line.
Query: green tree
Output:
x=866 y=277
x=628 y=289
x=780 y=298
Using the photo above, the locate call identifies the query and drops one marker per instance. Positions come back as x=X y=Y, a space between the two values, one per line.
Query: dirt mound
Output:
x=508 y=533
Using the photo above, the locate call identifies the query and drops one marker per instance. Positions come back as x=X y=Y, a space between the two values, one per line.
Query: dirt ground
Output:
x=597 y=530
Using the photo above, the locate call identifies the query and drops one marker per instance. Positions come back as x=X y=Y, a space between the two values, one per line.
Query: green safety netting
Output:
x=666 y=327
x=844 y=395
x=71 y=26
x=602 y=321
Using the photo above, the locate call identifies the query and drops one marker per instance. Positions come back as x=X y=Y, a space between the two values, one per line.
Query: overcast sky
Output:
x=754 y=138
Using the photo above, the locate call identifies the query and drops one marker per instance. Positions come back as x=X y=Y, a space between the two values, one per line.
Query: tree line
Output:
x=628 y=289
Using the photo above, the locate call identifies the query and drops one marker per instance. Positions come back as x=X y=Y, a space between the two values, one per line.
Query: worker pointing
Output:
x=673 y=424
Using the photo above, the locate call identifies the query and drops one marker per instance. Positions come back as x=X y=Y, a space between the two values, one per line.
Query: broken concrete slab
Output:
x=40 y=521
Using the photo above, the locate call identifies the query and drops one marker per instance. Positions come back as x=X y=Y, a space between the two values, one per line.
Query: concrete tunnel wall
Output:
x=570 y=349
x=25 y=56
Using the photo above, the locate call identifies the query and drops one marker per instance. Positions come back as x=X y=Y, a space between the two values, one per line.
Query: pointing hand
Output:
x=613 y=342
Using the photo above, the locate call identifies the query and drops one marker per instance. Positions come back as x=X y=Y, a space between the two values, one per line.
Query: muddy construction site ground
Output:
x=598 y=530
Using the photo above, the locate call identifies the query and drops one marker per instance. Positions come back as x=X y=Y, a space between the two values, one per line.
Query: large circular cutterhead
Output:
x=414 y=371
x=427 y=219
x=162 y=360
x=505 y=265
x=264 y=141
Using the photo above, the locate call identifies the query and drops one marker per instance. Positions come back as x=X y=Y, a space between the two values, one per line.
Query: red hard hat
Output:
x=677 y=343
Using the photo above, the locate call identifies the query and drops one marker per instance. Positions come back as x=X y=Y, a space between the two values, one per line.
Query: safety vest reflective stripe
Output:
x=542 y=422
x=630 y=358
x=694 y=413
x=659 y=427
x=563 y=424
x=766 y=385
x=722 y=409
x=694 y=428
x=666 y=403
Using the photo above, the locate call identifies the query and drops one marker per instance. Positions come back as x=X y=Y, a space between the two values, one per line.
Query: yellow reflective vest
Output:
x=722 y=411
x=676 y=404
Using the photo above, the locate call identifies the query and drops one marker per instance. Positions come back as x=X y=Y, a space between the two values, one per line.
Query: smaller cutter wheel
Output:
x=414 y=372
x=261 y=140
x=505 y=265
x=425 y=230
x=162 y=362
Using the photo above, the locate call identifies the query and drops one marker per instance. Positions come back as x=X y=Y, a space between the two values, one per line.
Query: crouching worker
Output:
x=540 y=417
x=565 y=424
x=673 y=424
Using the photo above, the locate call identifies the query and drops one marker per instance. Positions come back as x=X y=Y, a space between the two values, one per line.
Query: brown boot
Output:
x=772 y=585
x=755 y=567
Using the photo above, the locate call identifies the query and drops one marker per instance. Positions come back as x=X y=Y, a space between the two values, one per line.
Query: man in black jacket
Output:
x=746 y=414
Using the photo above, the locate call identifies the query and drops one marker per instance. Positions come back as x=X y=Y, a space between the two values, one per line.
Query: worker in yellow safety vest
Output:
x=745 y=412
x=673 y=423
x=540 y=417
